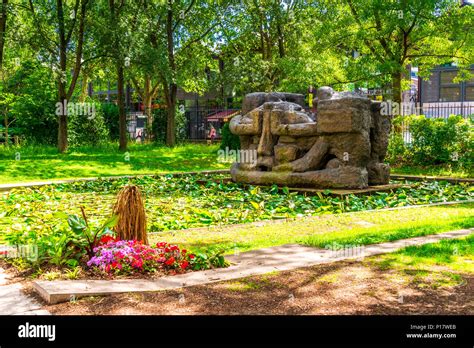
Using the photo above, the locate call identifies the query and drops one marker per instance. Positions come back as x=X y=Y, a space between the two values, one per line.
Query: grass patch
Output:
x=45 y=163
x=326 y=229
x=390 y=232
x=243 y=285
x=431 y=265
x=41 y=162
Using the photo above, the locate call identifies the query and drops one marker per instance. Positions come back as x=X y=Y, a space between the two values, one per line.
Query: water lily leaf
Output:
x=60 y=215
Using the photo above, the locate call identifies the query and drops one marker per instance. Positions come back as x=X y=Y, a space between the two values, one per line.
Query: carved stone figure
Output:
x=342 y=146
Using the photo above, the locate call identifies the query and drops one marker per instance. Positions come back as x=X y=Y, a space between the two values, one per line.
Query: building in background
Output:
x=441 y=96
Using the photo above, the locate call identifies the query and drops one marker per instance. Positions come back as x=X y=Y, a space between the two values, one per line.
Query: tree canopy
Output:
x=231 y=46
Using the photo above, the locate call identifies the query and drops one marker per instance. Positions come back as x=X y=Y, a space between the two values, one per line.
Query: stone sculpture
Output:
x=342 y=146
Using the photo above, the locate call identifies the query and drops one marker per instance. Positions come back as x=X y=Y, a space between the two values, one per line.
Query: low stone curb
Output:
x=431 y=178
x=256 y=262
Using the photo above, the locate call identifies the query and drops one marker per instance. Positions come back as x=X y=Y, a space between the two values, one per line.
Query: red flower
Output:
x=137 y=263
x=184 y=251
x=167 y=250
x=184 y=264
x=192 y=256
x=170 y=261
x=106 y=239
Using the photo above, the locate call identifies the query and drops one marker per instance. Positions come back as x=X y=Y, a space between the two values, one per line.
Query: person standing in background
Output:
x=212 y=133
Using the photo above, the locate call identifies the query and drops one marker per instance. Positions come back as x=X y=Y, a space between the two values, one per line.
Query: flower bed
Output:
x=130 y=256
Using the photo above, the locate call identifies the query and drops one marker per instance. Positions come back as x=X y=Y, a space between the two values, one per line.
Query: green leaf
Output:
x=72 y=263
x=77 y=224
x=112 y=222
x=255 y=205
x=60 y=215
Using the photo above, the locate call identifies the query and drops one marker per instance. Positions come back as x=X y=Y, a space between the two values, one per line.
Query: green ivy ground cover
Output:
x=174 y=203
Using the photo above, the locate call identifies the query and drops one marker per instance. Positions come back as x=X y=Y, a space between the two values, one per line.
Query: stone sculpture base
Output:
x=342 y=145
x=341 y=177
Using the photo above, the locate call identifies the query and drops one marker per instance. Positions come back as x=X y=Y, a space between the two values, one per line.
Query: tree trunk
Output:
x=171 y=116
x=281 y=42
x=397 y=87
x=171 y=89
x=3 y=26
x=121 y=107
x=148 y=108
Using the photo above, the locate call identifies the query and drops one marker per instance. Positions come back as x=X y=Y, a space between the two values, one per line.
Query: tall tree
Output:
x=59 y=38
x=390 y=35
x=116 y=9
x=182 y=43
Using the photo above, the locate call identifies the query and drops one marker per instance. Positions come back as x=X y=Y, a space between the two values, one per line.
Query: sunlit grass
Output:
x=431 y=265
x=37 y=163
x=377 y=227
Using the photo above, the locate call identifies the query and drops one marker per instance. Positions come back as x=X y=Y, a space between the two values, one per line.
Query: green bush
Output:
x=29 y=96
x=111 y=119
x=433 y=141
x=88 y=129
x=229 y=139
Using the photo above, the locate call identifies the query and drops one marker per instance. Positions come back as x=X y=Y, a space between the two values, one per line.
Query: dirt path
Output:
x=347 y=287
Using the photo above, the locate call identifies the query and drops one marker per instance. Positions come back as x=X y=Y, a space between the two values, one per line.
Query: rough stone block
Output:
x=285 y=153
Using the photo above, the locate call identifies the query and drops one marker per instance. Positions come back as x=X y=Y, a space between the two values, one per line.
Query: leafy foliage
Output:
x=28 y=96
x=174 y=203
x=85 y=129
x=160 y=124
x=111 y=119
x=229 y=140
x=434 y=141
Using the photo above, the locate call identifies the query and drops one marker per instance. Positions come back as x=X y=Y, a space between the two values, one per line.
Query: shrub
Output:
x=99 y=248
x=88 y=129
x=29 y=96
x=229 y=139
x=131 y=256
x=434 y=141
x=110 y=113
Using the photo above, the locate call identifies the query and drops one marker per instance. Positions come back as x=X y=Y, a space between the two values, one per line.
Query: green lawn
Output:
x=355 y=228
x=39 y=163
x=433 y=265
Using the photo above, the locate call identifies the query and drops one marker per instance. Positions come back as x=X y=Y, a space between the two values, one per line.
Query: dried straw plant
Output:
x=131 y=212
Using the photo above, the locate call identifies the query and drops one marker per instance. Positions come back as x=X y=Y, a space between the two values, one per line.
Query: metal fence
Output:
x=438 y=111
x=441 y=110
x=198 y=125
